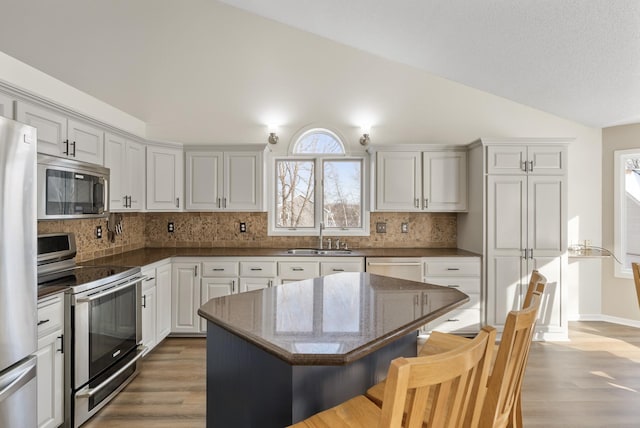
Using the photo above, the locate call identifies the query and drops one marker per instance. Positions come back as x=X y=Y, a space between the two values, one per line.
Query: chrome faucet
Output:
x=320 y=237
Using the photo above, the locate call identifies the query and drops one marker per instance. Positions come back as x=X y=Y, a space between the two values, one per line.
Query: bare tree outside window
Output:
x=342 y=193
x=295 y=193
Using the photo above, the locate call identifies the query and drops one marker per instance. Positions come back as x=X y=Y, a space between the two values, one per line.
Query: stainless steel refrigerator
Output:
x=18 y=279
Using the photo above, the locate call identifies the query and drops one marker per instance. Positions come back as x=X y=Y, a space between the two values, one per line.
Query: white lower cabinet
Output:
x=50 y=362
x=185 y=297
x=297 y=270
x=163 y=301
x=462 y=273
x=149 y=310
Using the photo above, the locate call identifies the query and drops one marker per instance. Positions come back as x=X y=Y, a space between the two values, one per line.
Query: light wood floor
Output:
x=591 y=381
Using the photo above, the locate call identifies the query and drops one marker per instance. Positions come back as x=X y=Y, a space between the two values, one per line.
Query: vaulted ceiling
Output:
x=197 y=71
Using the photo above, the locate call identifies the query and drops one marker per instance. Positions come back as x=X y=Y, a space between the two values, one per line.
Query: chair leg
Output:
x=515 y=419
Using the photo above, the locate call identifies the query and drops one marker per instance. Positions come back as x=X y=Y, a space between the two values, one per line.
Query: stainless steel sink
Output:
x=317 y=251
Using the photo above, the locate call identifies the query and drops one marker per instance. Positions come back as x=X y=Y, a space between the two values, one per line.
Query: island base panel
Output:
x=249 y=387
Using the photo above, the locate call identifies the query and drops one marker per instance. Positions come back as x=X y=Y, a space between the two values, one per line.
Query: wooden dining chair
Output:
x=636 y=278
x=453 y=382
x=444 y=341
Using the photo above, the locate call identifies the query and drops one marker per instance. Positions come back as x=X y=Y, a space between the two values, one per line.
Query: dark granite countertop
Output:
x=332 y=320
x=49 y=290
x=147 y=256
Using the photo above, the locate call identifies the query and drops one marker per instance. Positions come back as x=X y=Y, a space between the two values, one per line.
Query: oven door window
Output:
x=112 y=328
x=73 y=193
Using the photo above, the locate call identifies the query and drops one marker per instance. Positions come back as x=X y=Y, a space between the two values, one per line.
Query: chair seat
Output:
x=357 y=412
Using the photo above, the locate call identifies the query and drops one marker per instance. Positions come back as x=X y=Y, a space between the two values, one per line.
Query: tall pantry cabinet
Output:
x=518 y=220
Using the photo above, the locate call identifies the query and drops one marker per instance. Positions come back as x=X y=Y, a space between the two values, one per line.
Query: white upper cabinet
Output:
x=164 y=178
x=527 y=159
x=61 y=136
x=126 y=160
x=444 y=186
x=229 y=181
x=6 y=106
x=421 y=181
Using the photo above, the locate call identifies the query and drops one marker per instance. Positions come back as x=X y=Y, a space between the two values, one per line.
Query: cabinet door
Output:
x=86 y=142
x=204 y=180
x=215 y=287
x=164 y=178
x=250 y=284
x=163 y=301
x=444 y=181
x=396 y=309
x=50 y=383
x=506 y=159
x=329 y=268
x=135 y=172
x=185 y=298
x=550 y=315
x=398 y=181
x=114 y=158
x=6 y=106
x=51 y=126
x=546 y=215
x=507 y=215
x=149 y=311
x=242 y=181
x=547 y=160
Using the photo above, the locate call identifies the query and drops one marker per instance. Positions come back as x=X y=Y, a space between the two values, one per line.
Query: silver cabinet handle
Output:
x=10 y=384
x=177 y=202
x=66 y=150
x=417 y=203
x=196 y=271
x=531 y=166
x=218 y=269
x=453 y=268
x=453 y=320
x=523 y=166
x=61 y=350
x=524 y=254
x=270 y=283
x=531 y=253
x=224 y=202
x=74 y=149
x=233 y=286
x=144 y=301
x=426 y=203
x=297 y=269
x=338 y=270
x=219 y=206
x=256 y=269
x=43 y=321
x=149 y=278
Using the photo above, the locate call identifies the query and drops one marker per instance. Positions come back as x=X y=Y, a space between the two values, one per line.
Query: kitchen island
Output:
x=278 y=355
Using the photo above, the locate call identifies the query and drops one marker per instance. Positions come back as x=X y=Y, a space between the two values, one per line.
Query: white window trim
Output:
x=315 y=231
x=620 y=212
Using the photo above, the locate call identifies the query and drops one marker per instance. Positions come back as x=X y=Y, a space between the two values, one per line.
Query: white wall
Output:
x=25 y=77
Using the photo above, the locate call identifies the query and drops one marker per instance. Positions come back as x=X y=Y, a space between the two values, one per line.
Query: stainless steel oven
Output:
x=102 y=343
x=106 y=337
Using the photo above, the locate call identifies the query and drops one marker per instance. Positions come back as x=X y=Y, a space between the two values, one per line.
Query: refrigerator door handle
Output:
x=11 y=382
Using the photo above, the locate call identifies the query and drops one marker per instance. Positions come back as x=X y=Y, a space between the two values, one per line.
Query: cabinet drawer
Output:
x=50 y=315
x=458 y=321
x=467 y=285
x=328 y=268
x=298 y=270
x=454 y=268
x=220 y=269
x=258 y=269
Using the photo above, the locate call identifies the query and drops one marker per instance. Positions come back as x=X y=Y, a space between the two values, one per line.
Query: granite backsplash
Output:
x=215 y=229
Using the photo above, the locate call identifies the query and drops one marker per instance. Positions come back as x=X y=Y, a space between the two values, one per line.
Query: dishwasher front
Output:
x=409 y=268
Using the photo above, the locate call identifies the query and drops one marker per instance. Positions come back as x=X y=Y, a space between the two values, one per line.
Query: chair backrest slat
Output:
x=451 y=381
x=636 y=278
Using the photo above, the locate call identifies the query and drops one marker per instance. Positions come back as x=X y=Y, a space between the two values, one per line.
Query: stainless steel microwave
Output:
x=71 y=189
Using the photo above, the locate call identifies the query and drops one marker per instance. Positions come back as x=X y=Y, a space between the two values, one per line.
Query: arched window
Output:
x=318 y=141
x=319 y=187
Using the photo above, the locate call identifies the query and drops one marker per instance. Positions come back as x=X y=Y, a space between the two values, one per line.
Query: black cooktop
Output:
x=84 y=275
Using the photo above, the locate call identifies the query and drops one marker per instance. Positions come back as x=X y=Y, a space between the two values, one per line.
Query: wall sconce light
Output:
x=273 y=138
x=364 y=140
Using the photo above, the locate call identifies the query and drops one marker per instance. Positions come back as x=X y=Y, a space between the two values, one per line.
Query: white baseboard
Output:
x=608 y=318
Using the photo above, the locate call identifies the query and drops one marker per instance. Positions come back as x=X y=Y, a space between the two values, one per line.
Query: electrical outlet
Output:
x=243 y=227
x=381 y=227
x=99 y=232
x=170 y=227
x=404 y=228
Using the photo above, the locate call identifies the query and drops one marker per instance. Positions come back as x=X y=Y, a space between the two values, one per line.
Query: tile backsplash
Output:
x=214 y=229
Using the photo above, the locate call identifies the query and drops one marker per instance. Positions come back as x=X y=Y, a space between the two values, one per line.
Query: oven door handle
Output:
x=90 y=392
x=108 y=291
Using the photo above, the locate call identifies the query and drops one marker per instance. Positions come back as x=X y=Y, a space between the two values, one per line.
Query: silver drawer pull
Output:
x=453 y=268
x=338 y=270
x=150 y=278
x=453 y=320
x=254 y=269
x=297 y=269
x=218 y=269
x=43 y=321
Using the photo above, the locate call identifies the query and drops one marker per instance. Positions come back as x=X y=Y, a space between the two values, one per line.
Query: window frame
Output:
x=620 y=212
x=318 y=159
